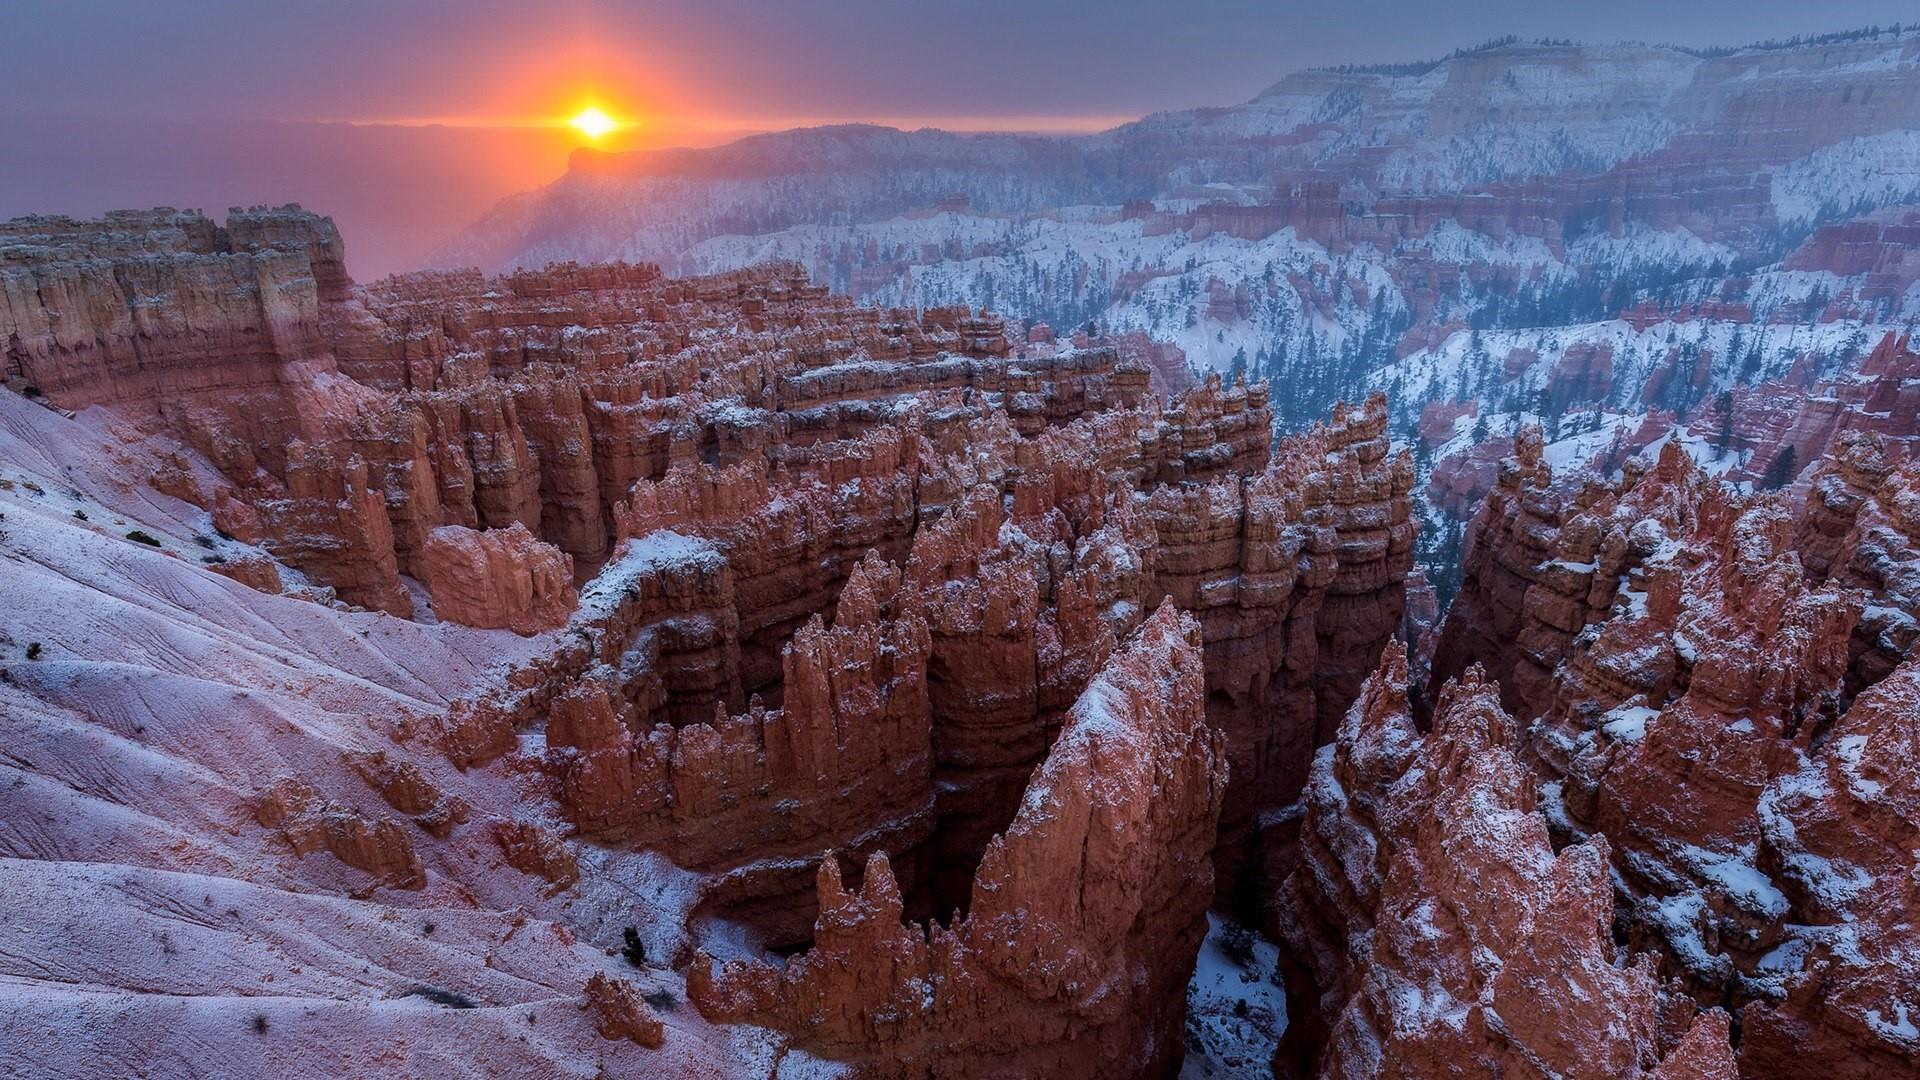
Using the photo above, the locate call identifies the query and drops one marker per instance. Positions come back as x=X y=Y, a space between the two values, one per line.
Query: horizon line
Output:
x=1061 y=124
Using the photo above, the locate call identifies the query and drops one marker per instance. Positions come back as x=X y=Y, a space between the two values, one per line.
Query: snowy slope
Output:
x=145 y=702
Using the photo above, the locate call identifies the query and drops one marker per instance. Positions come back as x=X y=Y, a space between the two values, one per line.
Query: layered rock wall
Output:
x=149 y=308
x=503 y=578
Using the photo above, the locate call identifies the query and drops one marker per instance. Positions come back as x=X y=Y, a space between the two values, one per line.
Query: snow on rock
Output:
x=1431 y=926
x=1066 y=916
x=1736 y=730
x=147 y=703
x=1863 y=172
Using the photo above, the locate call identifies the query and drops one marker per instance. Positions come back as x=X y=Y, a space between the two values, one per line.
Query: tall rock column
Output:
x=1432 y=928
x=1086 y=916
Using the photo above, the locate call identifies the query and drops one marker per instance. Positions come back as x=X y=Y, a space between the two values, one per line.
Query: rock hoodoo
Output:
x=911 y=698
x=1086 y=913
x=1700 y=675
x=1434 y=927
x=500 y=578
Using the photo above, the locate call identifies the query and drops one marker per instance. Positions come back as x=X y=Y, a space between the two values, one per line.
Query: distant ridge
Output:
x=1709 y=52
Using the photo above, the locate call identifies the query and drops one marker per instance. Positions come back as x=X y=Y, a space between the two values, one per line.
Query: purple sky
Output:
x=358 y=59
x=124 y=102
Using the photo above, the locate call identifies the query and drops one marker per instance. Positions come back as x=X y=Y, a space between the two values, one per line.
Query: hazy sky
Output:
x=782 y=60
x=760 y=61
x=194 y=102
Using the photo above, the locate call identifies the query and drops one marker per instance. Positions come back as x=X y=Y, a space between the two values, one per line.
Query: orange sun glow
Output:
x=593 y=123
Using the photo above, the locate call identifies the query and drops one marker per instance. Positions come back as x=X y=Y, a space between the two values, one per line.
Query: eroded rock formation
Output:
x=968 y=676
x=501 y=578
x=1699 y=674
x=351 y=422
x=619 y=1012
x=1086 y=911
x=1435 y=929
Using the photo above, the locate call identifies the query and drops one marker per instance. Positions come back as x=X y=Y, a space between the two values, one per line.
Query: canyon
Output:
x=1343 y=220
x=601 y=670
x=1594 y=238
x=618 y=632
x=694 y=645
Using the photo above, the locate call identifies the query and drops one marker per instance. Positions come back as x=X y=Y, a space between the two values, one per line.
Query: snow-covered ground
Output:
x=1470 y=364
x=1236 y=1007
x=1857 y=174
x=1088 y=266
x=1272 y=306
x=155 y=928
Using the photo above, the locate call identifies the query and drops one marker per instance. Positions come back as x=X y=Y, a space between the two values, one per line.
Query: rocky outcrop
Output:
x=1841 y=828
x=845 y=763
x=1084 y=919
x=790 y=541
x=351 y=422
x=1022 y=559
x=1168 y=364
x=330 y=522
x=1212 y=430
x=1758 y=655
x=1435 y=928
x=500 y=578
x=1033 y=604
x=1781 y=427
x=1859 y=527
x=406 y=787
x=1296 y=575
x=1510 y=536
x=1699 y=672
x=619 y=1012
x=310 y=822
x=1440 y=419
x=1026 y=579
x=1363 y=505
x=1459 y=481
x=537 y=852
x=255 y=571
x=165 y=309
x=659 y=620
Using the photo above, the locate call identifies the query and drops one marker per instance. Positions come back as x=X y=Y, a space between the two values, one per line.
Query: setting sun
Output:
x=593 y=123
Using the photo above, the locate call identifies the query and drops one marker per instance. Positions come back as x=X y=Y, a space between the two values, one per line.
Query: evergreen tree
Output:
x=1784 y=468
